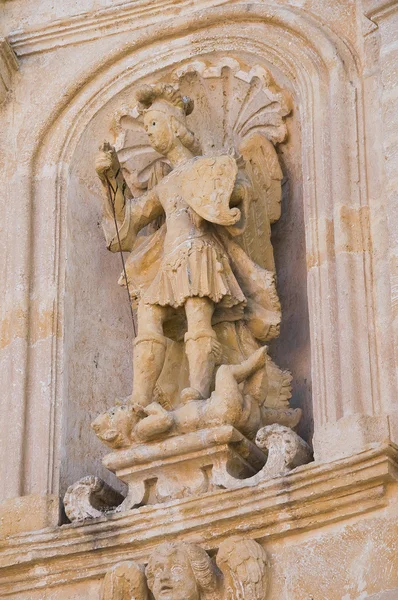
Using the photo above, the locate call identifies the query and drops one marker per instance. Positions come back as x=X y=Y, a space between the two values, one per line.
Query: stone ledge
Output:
x=308 y=498
x=97 y=24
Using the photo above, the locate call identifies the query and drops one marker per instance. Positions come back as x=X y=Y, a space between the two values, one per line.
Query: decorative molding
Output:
x=377 y=10
x=90 y=26
x=8 y=66
x=305 y=499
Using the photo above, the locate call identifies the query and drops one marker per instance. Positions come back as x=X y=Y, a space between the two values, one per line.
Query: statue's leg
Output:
x=149 y=352
x=202 y=348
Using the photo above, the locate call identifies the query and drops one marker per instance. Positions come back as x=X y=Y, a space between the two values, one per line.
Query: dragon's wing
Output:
x=125 y=581
x=262 y=167
x=244 y=565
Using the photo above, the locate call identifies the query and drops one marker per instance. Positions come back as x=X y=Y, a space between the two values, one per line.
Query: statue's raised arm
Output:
x=123 y=215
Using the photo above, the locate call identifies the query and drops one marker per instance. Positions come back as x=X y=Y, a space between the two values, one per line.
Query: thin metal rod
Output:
x=113 y=201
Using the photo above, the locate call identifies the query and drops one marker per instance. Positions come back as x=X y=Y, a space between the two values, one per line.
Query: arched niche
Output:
x=320 y=71
x=98 y=328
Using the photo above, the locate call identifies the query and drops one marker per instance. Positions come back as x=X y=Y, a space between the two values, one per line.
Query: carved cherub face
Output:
x=171 y=577
x=159 y=129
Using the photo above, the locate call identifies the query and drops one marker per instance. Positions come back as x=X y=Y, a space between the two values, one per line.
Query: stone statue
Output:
x=183 y=571
x=197 y=263
x=121 y=426
x=209 y=407
x=188 y=276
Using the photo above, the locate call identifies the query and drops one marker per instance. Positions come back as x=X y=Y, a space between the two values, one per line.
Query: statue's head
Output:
x=114 y=426
x=180 y=571
x=165 y=110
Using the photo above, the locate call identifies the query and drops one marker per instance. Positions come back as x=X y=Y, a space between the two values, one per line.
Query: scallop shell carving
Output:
x=231 y=103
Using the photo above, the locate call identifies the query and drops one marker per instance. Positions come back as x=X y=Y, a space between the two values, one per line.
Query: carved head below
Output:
x=180 y=571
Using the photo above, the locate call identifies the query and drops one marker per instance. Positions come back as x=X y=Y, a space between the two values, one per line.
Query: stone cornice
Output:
x=306 y=499
x=107 y=21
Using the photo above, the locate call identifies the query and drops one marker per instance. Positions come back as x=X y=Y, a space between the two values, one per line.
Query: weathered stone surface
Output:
x=28 y=513
x=8 y=66
x=181 y=571
x=344 y=510
x=329 y=528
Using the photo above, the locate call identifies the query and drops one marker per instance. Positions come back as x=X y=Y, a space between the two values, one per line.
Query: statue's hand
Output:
x=106 y=162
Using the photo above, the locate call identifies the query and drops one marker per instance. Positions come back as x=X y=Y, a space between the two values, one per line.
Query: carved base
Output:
x=188 y=465
x=184 y=465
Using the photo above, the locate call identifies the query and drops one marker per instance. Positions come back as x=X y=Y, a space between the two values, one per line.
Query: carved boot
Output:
x=149 y=355
x=203 y=352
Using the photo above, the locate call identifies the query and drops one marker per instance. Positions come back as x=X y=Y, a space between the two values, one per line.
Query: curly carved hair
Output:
x=202 y=567
x=148 y=94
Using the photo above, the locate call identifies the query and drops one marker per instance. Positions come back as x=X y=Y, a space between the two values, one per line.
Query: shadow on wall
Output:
x=292 y=349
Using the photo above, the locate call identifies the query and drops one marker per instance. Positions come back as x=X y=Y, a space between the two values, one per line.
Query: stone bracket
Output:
x=286 y=451
x=183 y=466
x=89 y=498
x=158 y=472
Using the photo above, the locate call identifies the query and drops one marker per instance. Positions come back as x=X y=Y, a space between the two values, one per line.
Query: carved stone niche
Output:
x=242 y=431
x=183 y=571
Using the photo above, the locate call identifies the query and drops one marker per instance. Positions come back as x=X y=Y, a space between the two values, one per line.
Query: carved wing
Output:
x=125 y=581
x=241 y=109
x=232 y=101
x=244 y=565
x=207 y=186
x=262 y=167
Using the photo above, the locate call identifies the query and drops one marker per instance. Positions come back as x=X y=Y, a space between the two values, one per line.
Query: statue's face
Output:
x=159 y=130
x=173 y=579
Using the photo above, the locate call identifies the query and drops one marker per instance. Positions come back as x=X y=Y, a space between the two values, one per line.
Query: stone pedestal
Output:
x=183 y=465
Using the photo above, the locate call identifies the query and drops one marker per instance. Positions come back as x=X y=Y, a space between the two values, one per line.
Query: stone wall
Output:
x=66 y=333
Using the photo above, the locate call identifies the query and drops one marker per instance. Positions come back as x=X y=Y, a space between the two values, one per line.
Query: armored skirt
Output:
x=197 y=267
